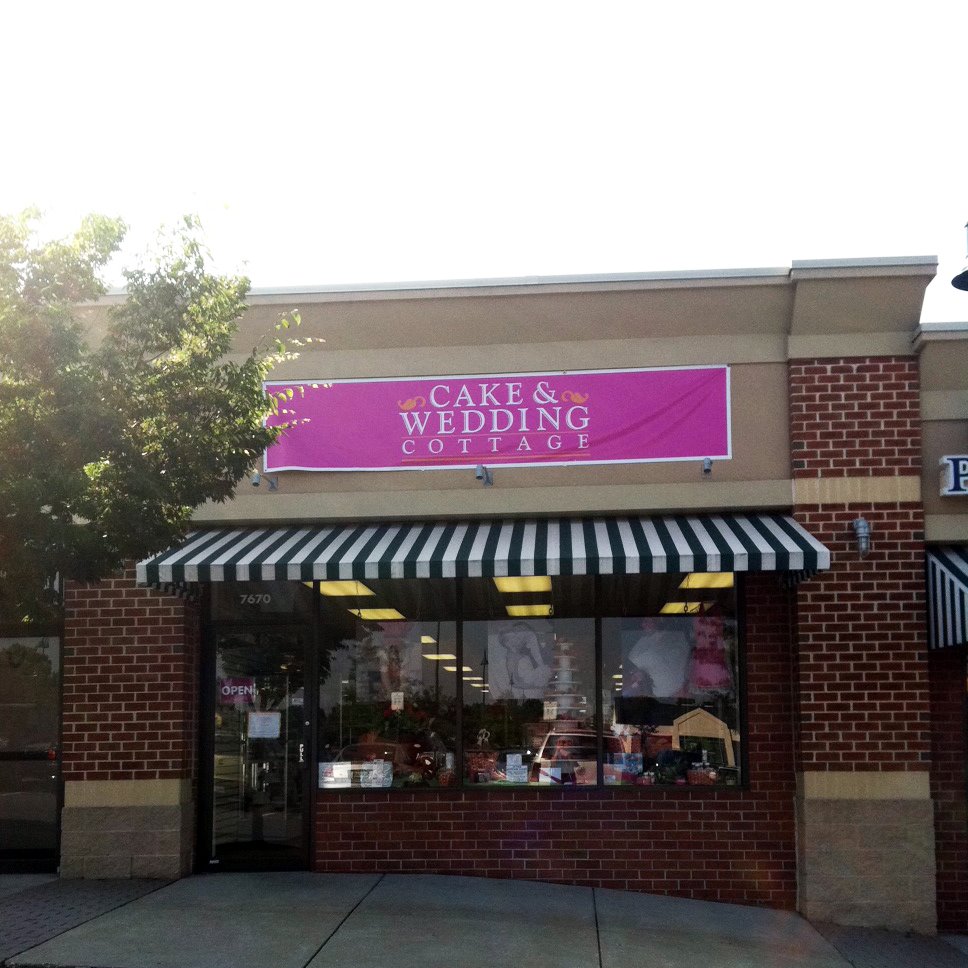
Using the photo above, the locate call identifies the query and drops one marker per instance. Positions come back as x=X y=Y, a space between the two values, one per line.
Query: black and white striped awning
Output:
x=947 y=574
x=457 y=549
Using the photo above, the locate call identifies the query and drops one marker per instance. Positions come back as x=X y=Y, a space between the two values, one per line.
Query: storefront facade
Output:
x=708 y=685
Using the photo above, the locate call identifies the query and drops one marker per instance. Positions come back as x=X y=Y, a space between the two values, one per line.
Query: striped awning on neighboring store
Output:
x=455 y=549
x=947 y=577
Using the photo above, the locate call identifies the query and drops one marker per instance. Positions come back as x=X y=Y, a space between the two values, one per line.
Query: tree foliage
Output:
x=106 y=449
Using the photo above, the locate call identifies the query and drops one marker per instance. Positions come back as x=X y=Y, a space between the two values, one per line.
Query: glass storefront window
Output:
x=29 y=736
x=670 y=681
x=560 y=681
x=529 y=703
x=29 y=693
x=388 y=685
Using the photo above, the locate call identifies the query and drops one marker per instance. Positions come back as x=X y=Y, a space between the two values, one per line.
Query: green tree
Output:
x=106 y=449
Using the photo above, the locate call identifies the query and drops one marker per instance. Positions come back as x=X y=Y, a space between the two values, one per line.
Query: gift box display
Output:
x=480 y=766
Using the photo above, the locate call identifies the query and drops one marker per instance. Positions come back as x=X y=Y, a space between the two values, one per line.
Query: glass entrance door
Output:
x=259 y=778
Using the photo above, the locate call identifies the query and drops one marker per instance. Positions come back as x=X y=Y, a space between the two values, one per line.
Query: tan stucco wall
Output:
x=757 y=476
x=752 y=320
x=944 y=410
x=453 y=318
x=944 y=364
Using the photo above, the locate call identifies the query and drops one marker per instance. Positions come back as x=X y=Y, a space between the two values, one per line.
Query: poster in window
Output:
x=388 y=660
x=520 y=656
x=656 y=655
x=264 y=725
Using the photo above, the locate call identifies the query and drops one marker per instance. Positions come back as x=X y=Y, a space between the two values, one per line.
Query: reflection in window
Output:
x=29 y=731
x=29 y=693
x=523 y=657
x=388 y=695
x=534 y=720
x=670 y=700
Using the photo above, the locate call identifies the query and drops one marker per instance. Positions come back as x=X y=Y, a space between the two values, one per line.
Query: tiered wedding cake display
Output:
x=564 y=686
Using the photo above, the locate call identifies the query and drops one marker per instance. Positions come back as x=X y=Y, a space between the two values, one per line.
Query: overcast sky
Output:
x=365 y=142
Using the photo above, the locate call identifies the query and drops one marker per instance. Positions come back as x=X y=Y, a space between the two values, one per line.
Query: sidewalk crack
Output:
x=345 y=918
x=598 y=935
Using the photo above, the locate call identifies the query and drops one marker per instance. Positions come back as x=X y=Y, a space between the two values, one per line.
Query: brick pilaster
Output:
x=130 y=730
x=949 y=782
x=866 y=837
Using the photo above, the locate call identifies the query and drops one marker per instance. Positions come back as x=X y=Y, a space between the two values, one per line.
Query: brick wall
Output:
x=865 y=820
x=130 y=683
x=727 y=845
x=863 y=678
x=855 y=416
x=948 y=785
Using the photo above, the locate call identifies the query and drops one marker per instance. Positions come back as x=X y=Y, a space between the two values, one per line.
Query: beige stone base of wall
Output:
x=127 y=828
x=865 y=846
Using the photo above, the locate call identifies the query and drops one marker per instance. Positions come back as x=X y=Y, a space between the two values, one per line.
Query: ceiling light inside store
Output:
x=683 y=608
x=523 y=583
x=454 y=669
x=618 y=675
x=440 y=656
x=344 y=589
x=472 y=678
x=708 y=579
x=376 y=614
x=427 y=640
x=528 y=611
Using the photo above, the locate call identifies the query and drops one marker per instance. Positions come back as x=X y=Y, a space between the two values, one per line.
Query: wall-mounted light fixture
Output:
x=862 y=530
x=484 y=475
x=256 y=481
x=960 y=281
x=707 y=466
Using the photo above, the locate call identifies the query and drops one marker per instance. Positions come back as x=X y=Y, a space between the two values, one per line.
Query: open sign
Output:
x=236 y=691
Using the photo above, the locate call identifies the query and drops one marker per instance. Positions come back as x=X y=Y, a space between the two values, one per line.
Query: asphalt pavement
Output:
x=304 y=920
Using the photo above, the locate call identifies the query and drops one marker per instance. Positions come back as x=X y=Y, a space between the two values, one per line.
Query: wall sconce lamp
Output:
x=862 y=530
x=484 y=475
x=960 y=281
x=707 y=466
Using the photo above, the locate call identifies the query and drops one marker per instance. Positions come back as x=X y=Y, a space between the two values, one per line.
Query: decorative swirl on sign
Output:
x=574 y=396
x=406 y=405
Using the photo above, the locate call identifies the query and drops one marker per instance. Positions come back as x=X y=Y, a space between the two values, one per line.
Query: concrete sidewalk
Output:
x=303 y=920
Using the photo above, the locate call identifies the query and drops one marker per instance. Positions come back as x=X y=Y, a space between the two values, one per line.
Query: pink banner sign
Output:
x=579 y=417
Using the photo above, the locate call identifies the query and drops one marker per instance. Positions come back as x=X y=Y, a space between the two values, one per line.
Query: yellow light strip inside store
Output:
x=522 y=584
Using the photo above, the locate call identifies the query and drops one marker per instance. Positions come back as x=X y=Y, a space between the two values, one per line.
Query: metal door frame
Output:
x=204 y=862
